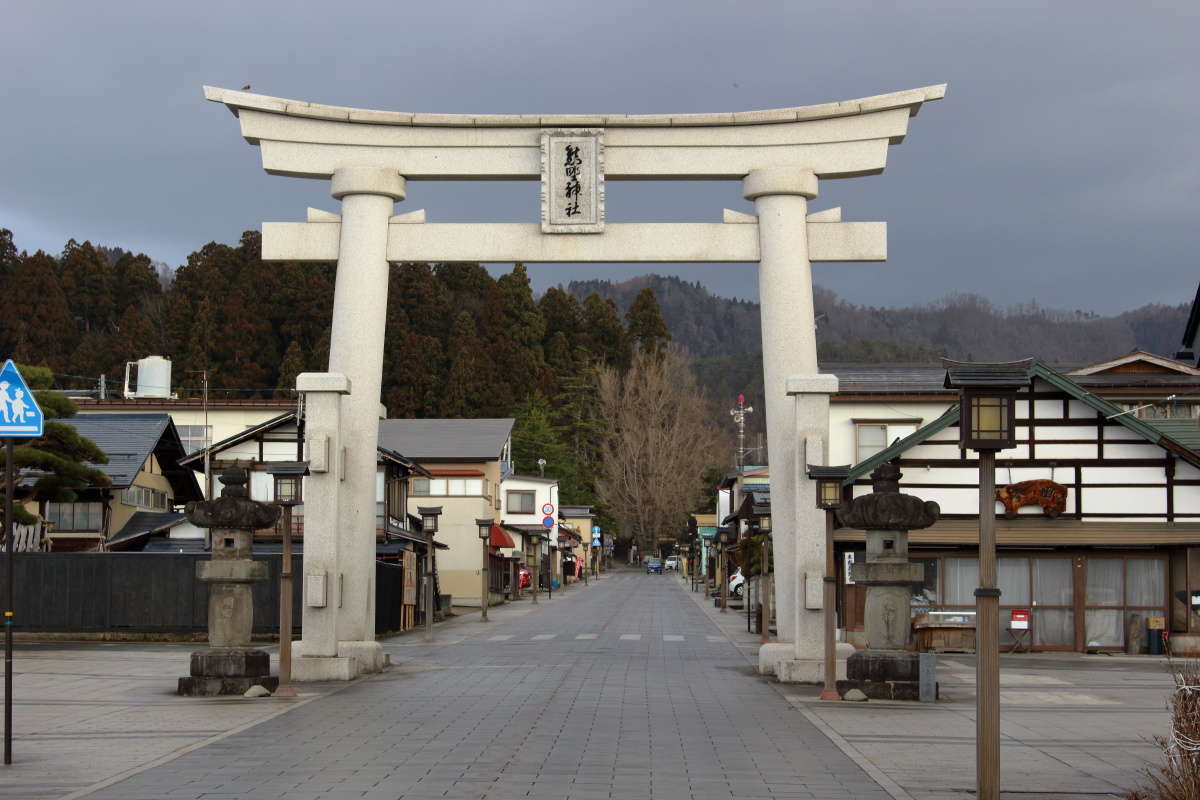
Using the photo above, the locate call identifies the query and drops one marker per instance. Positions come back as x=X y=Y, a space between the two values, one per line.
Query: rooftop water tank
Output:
x=153 y=377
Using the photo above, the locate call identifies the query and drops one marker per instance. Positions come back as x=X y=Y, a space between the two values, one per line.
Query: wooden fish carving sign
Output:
x=1051 y=496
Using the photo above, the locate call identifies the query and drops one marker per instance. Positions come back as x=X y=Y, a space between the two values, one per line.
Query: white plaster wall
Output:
x=1124 y=501
x=1077 y=409
x=842 y=442
x=1132 y=450
x=1186 y=472
x=262 y=487
x=1187 y=500
x=243 y=451
x=279 y=451
x=1064 y=451
x=1047 y=409
x=1047 y=433
x=1124 y=475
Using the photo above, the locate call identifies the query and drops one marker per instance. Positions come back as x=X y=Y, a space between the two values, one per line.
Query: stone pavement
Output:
x=84 y=712
x=630 y=688
x=623 y=689
x=1072 y=725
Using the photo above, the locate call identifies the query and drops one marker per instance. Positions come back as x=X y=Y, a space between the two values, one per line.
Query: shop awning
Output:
x=500 y=538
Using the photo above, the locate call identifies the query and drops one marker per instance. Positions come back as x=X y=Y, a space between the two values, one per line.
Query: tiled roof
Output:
x=1184 y=431
x=143 y=523
x=127 y=440
x=446 y=439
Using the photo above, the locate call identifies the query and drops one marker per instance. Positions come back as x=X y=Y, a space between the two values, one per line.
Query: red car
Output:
x=526 y=580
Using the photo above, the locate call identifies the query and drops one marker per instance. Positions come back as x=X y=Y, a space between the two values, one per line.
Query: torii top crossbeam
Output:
x=835 y=140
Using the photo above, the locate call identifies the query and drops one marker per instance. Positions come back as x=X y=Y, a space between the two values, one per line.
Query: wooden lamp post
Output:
x=829 y=497
x=289 y=482
x=485 y=534
x=725 y=538
x=987 y=402
x=764 y=526
x=429 y=526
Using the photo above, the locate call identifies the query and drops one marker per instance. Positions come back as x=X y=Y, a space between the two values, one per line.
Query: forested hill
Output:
x=961 y=326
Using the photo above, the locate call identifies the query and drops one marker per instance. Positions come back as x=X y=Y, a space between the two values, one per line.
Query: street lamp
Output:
x=829 y=497
x=725 y=537
x=289 y=478
x=485 y=533
x=764 y=593
x=987 y=402
x=429 y=525
x=535 y=567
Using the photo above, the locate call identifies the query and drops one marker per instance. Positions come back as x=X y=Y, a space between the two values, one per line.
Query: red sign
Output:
x=1020 y=619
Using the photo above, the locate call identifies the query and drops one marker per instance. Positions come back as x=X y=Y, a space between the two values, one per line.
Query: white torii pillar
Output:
x=369 y=156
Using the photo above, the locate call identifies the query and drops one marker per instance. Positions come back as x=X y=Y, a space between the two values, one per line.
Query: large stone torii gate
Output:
x=369 y=156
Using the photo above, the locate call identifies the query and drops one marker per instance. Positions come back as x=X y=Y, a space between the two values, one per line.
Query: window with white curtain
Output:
x=1145 y=582
x=962 y=579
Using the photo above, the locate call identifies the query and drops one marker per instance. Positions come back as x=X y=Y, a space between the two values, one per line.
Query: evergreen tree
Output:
x=87 y=282
x=606 y=338
x=133 y=338
x=468 y=383
x=58 y=461
x=291 y=366
x=37 y=324
x=647 y=328
x=535 y=437
x=135 y=281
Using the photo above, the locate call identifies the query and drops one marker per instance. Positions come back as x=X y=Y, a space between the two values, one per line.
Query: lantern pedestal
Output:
x=884 y=675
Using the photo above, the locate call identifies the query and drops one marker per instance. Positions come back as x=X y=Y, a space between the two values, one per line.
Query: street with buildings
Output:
x=633 y=686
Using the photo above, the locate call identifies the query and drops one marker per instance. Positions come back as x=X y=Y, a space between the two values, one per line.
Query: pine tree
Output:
x=59 y=458
x=534 y=437
x=37 y=323
x=606 y=338
x=133 y=338
x=135 y=281
x=87 y=282
x=647 y=328
x=468 y=383
x=291 y=366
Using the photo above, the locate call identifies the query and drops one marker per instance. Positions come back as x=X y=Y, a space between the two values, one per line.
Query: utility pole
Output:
x=203 y=373
x=739 y=419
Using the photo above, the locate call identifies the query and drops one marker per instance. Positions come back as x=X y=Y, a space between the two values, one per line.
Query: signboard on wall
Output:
x=847 y=563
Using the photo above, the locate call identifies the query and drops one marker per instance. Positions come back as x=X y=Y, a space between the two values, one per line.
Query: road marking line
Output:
x=712 y=638
x=542 y=637
x=500 y=638
x=588 y=636
x=671 y=637
x=631 y=637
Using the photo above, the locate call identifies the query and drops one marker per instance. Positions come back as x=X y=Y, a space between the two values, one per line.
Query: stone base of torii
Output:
x=370 y=157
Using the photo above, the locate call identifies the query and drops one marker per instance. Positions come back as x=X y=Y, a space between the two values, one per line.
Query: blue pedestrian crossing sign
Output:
x=20 y=415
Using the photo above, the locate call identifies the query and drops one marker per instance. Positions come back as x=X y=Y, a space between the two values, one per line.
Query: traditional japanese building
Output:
x=1100 y=515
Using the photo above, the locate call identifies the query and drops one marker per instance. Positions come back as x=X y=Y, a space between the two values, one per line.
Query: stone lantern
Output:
x=885 y=670
x=230 y=665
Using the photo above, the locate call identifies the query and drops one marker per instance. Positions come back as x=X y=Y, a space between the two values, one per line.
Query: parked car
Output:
x=654 y=565
x=737 y=584
x=671 y=564
x=526 y=578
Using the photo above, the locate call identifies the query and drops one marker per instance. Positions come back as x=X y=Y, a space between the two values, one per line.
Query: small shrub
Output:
x=1178 y=778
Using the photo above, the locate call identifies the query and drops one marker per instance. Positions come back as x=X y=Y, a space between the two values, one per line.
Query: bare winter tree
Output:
x=661 y=439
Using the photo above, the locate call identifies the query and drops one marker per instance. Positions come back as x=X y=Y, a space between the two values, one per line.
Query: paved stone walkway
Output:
x=624 y=689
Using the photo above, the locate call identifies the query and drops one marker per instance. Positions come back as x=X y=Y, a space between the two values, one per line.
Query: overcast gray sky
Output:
x=1062 y=166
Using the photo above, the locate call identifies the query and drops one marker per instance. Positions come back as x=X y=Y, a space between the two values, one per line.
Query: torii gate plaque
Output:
x=369 y=157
